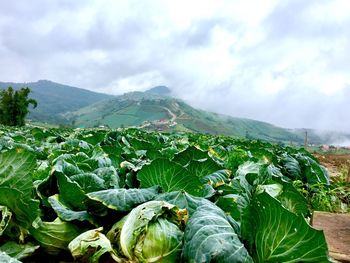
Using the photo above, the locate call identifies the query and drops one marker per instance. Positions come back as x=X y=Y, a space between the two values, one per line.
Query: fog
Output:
x=284 y=62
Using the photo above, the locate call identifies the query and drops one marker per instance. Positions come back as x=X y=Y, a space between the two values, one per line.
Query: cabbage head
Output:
x=151 y=232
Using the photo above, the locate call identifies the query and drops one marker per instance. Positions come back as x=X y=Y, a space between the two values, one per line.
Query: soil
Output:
x=336 y=228
x=335 y=163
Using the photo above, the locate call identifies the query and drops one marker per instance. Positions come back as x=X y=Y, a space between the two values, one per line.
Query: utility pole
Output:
x=305 y=141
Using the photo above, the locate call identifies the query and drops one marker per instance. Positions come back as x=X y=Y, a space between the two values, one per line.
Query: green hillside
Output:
x=156 y=112
x=130 y=109
x=54 y=99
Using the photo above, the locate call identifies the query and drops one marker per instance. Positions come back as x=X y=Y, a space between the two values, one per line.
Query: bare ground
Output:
x=335 y=163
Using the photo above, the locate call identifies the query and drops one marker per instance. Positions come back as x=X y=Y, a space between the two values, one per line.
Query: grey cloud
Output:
x=125 y=35
x=98 y=44
x=199 y=33
x=293 y=19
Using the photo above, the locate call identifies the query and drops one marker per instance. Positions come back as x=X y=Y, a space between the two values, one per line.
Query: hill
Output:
x=160 y=90
x=150 y=110
x=54 y=99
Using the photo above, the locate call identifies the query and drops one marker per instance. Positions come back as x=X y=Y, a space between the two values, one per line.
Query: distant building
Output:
x=325 y=147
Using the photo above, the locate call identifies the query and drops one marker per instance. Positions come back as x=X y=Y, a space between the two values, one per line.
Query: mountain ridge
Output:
x=156 y=112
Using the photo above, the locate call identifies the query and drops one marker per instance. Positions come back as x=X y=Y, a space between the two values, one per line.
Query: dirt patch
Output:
x=335 y=163
x=336 y=228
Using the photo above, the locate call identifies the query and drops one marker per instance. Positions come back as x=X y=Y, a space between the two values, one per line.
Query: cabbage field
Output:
x=134 y=196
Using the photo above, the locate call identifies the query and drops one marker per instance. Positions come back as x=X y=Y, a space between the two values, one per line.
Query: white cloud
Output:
x=141 y=81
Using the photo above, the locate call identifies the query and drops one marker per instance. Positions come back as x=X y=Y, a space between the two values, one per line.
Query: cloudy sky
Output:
x=285 y=62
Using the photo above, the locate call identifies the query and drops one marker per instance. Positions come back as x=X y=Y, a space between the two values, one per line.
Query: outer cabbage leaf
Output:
x=247 y=168
x=75 y=145
x=89 y=182
x=18 y=251
x=217 y=178
x=65 y=212
x=292 y=199
x=209 y=237
x=40 y=134
x=54 y=236
x=236 y=197
x=45 y=188
x=190 y=154
x=70 y=192
x=282 y=236
x=203 y=168
x=312 y=171
x=170 y=176
x=124 y=199
x=16 y=185
x=93 y=136
x=229 y=203
x=114 y=154
x=291 y=166
x=254 y=172
x=272 y=189
x=100 y=157
x=182 y=200
x=4 y=258
x=67 y=168
x=109 y=176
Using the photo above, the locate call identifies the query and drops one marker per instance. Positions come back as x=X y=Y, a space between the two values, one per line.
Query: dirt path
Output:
x=173 y=116
x=171 y=120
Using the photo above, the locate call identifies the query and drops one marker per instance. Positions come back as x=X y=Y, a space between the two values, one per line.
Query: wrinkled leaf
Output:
x=89 y=182
x=182 y=200
x=292 y=167
x=209 y=237
x=124 y=199
x=109 y=176
x=90 y=246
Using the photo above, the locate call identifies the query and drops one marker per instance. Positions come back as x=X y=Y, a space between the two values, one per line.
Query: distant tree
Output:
x=14 y=106
x=6 y=106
